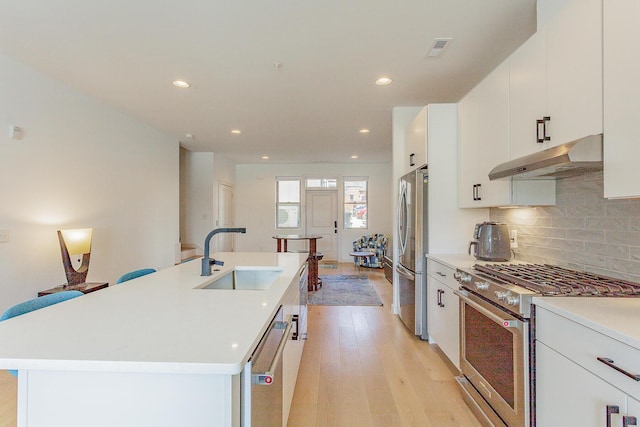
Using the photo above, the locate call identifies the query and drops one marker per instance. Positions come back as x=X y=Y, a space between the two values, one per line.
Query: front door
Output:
x=322 y=220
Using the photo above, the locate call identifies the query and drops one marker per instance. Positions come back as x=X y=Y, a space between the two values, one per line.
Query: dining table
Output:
x=281 y=246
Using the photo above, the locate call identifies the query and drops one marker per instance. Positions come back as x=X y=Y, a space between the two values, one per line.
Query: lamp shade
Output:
x=77 y=241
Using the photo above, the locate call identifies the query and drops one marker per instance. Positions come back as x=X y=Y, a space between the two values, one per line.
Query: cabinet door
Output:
x=434 y=312
x=574 y=71
x=416 y=142
x=568 y=395
x=484 y=141
x=443 y=311
x=527 y=95
x=292 y=351
x=450 y=340
x=621 y=98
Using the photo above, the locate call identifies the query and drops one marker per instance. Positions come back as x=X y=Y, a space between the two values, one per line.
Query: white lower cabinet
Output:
x=292 y=354
x=443 y=310
x=569 y=395
x=574 y=388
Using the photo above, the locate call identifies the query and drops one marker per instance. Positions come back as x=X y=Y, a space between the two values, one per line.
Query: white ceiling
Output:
x=127 y=52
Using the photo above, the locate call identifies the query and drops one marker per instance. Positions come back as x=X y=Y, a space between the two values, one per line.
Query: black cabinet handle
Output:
x=545 y=120
x=476 y=191
x=611 y=409
x=439 y=300
x=538 y=123
x=629 y=421
x=295 y=319
x=610 y=363
x=411 y=160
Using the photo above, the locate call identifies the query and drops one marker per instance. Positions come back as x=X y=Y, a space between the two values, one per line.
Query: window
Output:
x=355 y=203
x=288 y=203
x=322 y=183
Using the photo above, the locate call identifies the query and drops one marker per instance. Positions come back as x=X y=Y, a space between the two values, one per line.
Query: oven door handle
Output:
x=507 y=323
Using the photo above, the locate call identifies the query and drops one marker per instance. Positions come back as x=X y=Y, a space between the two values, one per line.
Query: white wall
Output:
x=200 y=174
x=79 y=164
x=256 y=196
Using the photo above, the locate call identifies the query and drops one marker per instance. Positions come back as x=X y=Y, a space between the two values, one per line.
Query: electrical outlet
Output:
x=514 y=239
x=4 y=235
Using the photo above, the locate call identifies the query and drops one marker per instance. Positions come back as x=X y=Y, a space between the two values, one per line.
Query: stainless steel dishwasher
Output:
x=261 y=379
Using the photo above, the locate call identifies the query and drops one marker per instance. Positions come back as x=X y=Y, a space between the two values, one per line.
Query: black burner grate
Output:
x=553 y=280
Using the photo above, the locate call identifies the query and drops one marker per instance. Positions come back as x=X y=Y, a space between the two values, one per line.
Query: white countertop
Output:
x=618 y=318
x=155 y=323
x=463 y=261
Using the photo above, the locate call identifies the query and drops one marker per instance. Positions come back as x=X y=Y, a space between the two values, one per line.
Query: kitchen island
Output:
x=160 y=350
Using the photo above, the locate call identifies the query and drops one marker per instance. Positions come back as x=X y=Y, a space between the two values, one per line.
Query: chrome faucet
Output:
x=208 y=262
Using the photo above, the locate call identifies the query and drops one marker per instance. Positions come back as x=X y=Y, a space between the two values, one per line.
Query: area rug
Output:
x=345 y=290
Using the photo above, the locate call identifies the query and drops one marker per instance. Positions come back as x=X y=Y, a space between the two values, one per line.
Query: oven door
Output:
x=494 y=357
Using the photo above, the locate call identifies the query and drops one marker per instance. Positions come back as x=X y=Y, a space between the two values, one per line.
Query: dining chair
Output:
x=36 y=304
x=136 y=273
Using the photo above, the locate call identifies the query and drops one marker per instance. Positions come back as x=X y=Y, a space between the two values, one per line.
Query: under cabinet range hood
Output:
x=570 y=159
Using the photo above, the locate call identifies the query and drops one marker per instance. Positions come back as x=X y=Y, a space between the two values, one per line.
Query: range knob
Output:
x=513 y=300
x=462 y=277
x=481 y=286
x=503 y=295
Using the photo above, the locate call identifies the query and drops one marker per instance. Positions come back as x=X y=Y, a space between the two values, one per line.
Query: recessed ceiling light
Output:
x=382 y=81
x=354 y=157
x=364 y=131
x=236 y=131
x=181 y=84
x=265 y=157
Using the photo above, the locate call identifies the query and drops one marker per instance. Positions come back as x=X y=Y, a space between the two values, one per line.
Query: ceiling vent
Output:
x=437 y=47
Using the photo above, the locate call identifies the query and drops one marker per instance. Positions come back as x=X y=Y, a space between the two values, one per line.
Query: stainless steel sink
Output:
x=246 y=278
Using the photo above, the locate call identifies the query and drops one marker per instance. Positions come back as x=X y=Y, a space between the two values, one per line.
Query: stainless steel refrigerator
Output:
x=412 y=232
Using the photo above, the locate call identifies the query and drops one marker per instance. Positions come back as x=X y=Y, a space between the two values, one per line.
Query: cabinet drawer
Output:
x=443 y=273
x=583 y=346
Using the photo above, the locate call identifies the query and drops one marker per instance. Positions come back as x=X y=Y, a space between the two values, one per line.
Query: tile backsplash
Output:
x=583 y=231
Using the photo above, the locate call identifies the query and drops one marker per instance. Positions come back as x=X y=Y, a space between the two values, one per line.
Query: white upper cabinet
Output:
x=574 y=71
x=621 y=98
x=528 y=95
x=556 y=80
x=484 y=143
x=416 y=142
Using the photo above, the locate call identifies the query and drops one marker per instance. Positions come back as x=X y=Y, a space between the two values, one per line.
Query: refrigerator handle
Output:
x=405 y=273
x=402 y=226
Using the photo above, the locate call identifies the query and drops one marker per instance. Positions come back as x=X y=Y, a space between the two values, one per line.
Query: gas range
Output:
x=511 y=286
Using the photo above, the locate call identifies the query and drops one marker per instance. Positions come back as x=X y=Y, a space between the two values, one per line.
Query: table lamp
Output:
x=75 y=242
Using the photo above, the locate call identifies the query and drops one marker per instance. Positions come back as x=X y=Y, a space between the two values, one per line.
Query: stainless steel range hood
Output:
x=573 y=158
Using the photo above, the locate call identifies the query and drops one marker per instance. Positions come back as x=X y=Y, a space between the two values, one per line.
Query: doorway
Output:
x=322 y=220
x=225 y=217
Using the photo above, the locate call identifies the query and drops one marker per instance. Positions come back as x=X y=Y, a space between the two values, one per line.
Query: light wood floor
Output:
x=8 y=399
x=360 y=367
